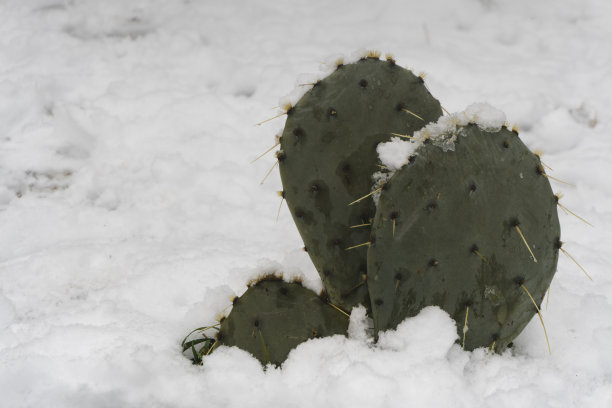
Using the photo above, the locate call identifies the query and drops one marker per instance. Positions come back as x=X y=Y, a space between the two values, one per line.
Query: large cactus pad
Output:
x=446 y=233
x=328 y=156
x=273 y=317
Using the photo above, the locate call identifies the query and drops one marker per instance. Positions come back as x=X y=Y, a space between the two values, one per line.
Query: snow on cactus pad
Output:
x=448 y=228
x=328 y=155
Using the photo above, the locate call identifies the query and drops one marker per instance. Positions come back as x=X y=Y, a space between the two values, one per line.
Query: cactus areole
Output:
x=461 y=226
x=328 y=156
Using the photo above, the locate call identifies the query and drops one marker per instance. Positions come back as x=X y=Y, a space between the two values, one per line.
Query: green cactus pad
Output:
x=445 y=235
x=328 y=156
x=273 y=317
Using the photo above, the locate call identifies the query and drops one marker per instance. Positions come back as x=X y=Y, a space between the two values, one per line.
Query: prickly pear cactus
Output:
x=328 y=156
x=462 y=229
x=273 y=317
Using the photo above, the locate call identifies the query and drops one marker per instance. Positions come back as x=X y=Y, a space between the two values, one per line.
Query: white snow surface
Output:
x=443 y=133
x=130 y=212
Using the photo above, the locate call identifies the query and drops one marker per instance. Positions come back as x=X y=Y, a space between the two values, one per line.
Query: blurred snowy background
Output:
x=129 y=212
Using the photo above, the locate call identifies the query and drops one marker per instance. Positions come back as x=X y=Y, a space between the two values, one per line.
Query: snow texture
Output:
x=130 y=213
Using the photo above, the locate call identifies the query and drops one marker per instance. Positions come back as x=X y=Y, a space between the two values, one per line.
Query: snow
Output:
x=395 y=153
x=443 y=133
x=130 y=213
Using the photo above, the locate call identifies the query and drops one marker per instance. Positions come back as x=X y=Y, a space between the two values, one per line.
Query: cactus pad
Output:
x=328 y=156
x=273 y=317
x=446 y=233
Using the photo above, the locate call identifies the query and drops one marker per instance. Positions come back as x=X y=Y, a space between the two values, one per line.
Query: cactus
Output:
x=273 y=317
x=328 y=156
x=462 y=230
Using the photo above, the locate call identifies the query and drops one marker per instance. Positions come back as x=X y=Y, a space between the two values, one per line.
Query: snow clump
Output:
x=443 y=133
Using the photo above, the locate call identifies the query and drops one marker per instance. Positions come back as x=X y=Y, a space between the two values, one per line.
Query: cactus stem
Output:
x=539 y=315
x=401 y=135
x=360 y=225
x=564 y=208
x=367 y=195
x=576 y=262
x=269 y=171
x=264 y=153
x=413 y=114
x=338 y=309
x=357 y=246
x=525 y=242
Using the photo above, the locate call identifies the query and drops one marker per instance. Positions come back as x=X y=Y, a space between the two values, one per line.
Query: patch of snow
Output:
x=7 y=312
x=395 y=153
x=443 y=133
x=359 y=324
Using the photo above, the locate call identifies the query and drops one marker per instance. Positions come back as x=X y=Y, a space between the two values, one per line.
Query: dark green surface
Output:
x=279 y=315
x=448 y=203
x=329 y=155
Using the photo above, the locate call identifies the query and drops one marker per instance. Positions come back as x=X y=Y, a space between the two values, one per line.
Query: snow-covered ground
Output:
x=130 y=212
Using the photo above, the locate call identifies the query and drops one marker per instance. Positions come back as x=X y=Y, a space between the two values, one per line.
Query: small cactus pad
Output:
x=328 y=157
x=446 y=233
x=273 y=317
